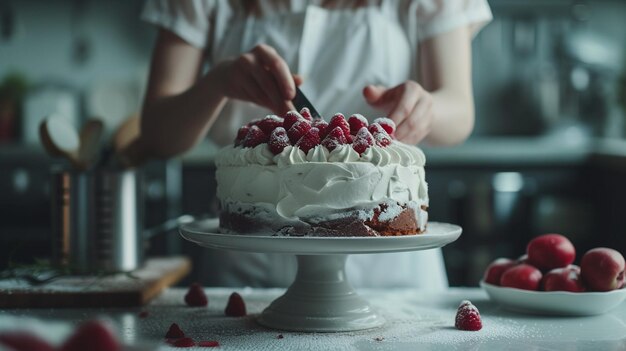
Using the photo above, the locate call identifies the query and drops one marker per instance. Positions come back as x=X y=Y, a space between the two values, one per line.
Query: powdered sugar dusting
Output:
x=391 y=211
x=384 y=121
x=416 y=319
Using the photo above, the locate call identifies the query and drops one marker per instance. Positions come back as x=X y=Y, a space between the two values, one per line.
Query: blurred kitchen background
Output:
x=548 y=153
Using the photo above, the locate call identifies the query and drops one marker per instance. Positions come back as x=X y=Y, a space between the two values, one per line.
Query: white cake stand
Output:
x=320 y=299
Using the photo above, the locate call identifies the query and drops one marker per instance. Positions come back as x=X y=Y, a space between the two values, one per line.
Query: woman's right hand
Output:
x=259 y=76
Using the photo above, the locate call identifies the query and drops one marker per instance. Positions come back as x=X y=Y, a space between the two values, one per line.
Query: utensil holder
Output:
x=97 y=220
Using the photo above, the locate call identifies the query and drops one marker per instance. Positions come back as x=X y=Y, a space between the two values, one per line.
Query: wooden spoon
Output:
x=128 y=131
x=90 y=140
x=127 y=144
x=60 y=138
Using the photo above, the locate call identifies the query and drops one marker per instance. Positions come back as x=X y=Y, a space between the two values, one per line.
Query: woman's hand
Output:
x=408 y=105
x=259 y=76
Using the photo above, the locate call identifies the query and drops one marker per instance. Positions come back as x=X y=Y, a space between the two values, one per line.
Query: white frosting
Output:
x=292 y=185
x=396 y=153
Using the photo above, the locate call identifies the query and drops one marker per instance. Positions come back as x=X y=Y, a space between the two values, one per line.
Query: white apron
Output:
x=368 y=47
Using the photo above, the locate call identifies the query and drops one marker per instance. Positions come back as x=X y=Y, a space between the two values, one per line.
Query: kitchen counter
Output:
x=415 y=320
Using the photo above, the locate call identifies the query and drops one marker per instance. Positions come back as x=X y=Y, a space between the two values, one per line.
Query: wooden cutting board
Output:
x=117 y=290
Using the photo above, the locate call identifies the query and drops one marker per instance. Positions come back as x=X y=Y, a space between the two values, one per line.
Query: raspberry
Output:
x=254 y=122
x=291 y=118
x=195 y=296
x=362 y=141
x=184 y=342
x=210 y=343
x=241 y=134
x=322 y=125
x=254 y=137
x=298 y=130
x=376 y=128
x=388 y=124
x=309 y=140
x=280 y=336
x=380 y=136
x=356 y=122
x=306 y=114
x=23 y=341
x=269 y=123
x=92 y=335
x=235 y=307
x=334 y=139
x=339 y=120
x=278 y=140
x=175 y=332
x=467 y=317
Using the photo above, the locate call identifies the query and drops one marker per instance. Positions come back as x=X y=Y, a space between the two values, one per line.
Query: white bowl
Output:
x=555 y=302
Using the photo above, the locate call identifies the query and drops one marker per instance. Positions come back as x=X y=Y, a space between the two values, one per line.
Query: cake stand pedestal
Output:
x=320 y=299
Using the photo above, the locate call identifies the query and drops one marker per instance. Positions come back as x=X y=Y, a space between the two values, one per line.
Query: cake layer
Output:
x=404 y=221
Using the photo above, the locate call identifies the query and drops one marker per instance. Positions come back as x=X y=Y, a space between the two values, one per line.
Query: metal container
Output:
x=97 y=219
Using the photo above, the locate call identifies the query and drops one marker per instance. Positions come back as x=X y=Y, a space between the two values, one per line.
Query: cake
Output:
x=301 y=176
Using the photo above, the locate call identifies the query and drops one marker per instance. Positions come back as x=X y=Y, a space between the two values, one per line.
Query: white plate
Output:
x=205 y=233
x=555 y=302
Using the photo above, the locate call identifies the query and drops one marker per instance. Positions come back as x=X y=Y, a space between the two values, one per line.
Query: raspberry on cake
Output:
x=302 y=176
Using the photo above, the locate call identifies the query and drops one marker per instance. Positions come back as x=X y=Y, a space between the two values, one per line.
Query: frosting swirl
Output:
x=396 y=153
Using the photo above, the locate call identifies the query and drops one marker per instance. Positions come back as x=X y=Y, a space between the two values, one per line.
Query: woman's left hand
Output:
x=408 y=105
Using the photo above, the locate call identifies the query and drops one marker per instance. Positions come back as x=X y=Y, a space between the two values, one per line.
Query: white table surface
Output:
x=416 y=320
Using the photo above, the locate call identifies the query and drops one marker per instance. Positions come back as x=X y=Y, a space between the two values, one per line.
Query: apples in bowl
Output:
x=546 y=280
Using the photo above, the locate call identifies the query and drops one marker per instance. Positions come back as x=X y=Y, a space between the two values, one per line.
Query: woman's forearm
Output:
x=173 y=124
x=453 y=117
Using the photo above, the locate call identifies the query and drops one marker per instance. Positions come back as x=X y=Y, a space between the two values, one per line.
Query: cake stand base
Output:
x=320 y=300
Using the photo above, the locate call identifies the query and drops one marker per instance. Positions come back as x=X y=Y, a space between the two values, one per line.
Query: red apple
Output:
x=522 y=259
x=550 y=251
x=602 y=269
x=496 y=268
x=563 y=279
x=522 y=276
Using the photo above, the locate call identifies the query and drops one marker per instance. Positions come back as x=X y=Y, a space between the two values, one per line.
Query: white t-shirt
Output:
x=338 y=50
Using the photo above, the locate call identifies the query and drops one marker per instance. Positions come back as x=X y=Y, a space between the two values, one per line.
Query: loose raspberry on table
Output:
x=362 y=141
x=184 y=342
x=298 y=130
x=278 y=140
x=23 y=341
x=356 y=122
x=174 y=332
x=236 y=307
x=338 y=120
x=306 y=113
x=468 y=317
x=309 y=140
x=334 y=139
x=291 y=118
x=92 y=335
x=322 y=125
x=254 y=137
x=269 y=123
x=209 y=343
x=388 y=124
x=195 y=296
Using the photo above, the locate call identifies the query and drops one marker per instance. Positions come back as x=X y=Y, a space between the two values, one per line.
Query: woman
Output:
x=409 y=60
